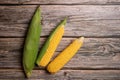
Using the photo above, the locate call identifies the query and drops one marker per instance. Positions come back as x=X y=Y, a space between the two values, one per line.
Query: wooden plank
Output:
x=73 y=2
x=96 y=53
x=82 y=20
x=59 y=2
x=75 y=13
x=100 y=28
x=62 y=75
x=8 y=1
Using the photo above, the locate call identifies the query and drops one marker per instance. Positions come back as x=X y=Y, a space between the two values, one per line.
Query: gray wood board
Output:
x=102 y=28
x=83 y=20
x=60 y=2
x=75 y=13
x=62 y=75
x=96 y=53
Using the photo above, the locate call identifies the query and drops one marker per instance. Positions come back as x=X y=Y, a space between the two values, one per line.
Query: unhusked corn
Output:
x=65 y=56
x=32 y=43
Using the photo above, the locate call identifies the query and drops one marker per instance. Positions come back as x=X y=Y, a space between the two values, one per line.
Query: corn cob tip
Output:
x=81 y=39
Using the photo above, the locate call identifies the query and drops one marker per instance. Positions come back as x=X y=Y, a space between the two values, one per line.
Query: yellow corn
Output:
x=52 y=46
x=65 y=56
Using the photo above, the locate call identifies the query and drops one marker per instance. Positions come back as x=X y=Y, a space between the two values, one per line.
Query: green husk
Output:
x=32 y=43
x=44 y=48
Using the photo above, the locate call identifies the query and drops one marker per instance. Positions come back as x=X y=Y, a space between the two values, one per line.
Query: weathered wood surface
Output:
x=60 y=2
x=62 y=75
x=75 y=13
x=102 y=28
x=96 y=53
x=83 y=20
x=97 y=20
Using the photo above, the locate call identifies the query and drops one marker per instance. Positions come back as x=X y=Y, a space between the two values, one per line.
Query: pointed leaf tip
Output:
x=65 y=21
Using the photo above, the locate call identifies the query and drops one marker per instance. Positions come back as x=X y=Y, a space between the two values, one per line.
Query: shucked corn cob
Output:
x=51 y=44
x=65 y=56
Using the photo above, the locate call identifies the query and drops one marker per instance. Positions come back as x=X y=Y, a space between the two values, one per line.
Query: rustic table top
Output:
x=97 y=20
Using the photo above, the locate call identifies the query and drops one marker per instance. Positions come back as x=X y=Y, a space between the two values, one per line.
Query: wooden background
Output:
x=97 y=20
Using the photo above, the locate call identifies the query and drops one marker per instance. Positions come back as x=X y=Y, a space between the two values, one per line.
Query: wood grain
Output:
x=62 y=75
x=60 y=2
x=98 y=20
x=96 y=53
x=88 y=21
x=75 y=13
x=100 y=28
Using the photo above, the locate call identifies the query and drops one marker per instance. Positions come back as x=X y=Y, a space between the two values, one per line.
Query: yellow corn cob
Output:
x=52 y=46
x=65 y=56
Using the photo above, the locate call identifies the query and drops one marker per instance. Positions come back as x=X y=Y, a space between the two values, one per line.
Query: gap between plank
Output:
x=65 y=36
x=20 y=4
x=66 y=68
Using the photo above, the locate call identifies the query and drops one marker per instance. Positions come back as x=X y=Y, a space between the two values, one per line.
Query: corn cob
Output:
x=32 y=43
x=51 y=44
x=65 y=56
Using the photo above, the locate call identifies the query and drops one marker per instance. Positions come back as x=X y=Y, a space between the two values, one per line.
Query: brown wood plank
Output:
x=96 y=53
x=8 y=1
x=62 y=75
x=59 y=2
x=100 y=28
x=75 y=13
x=82 y=20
